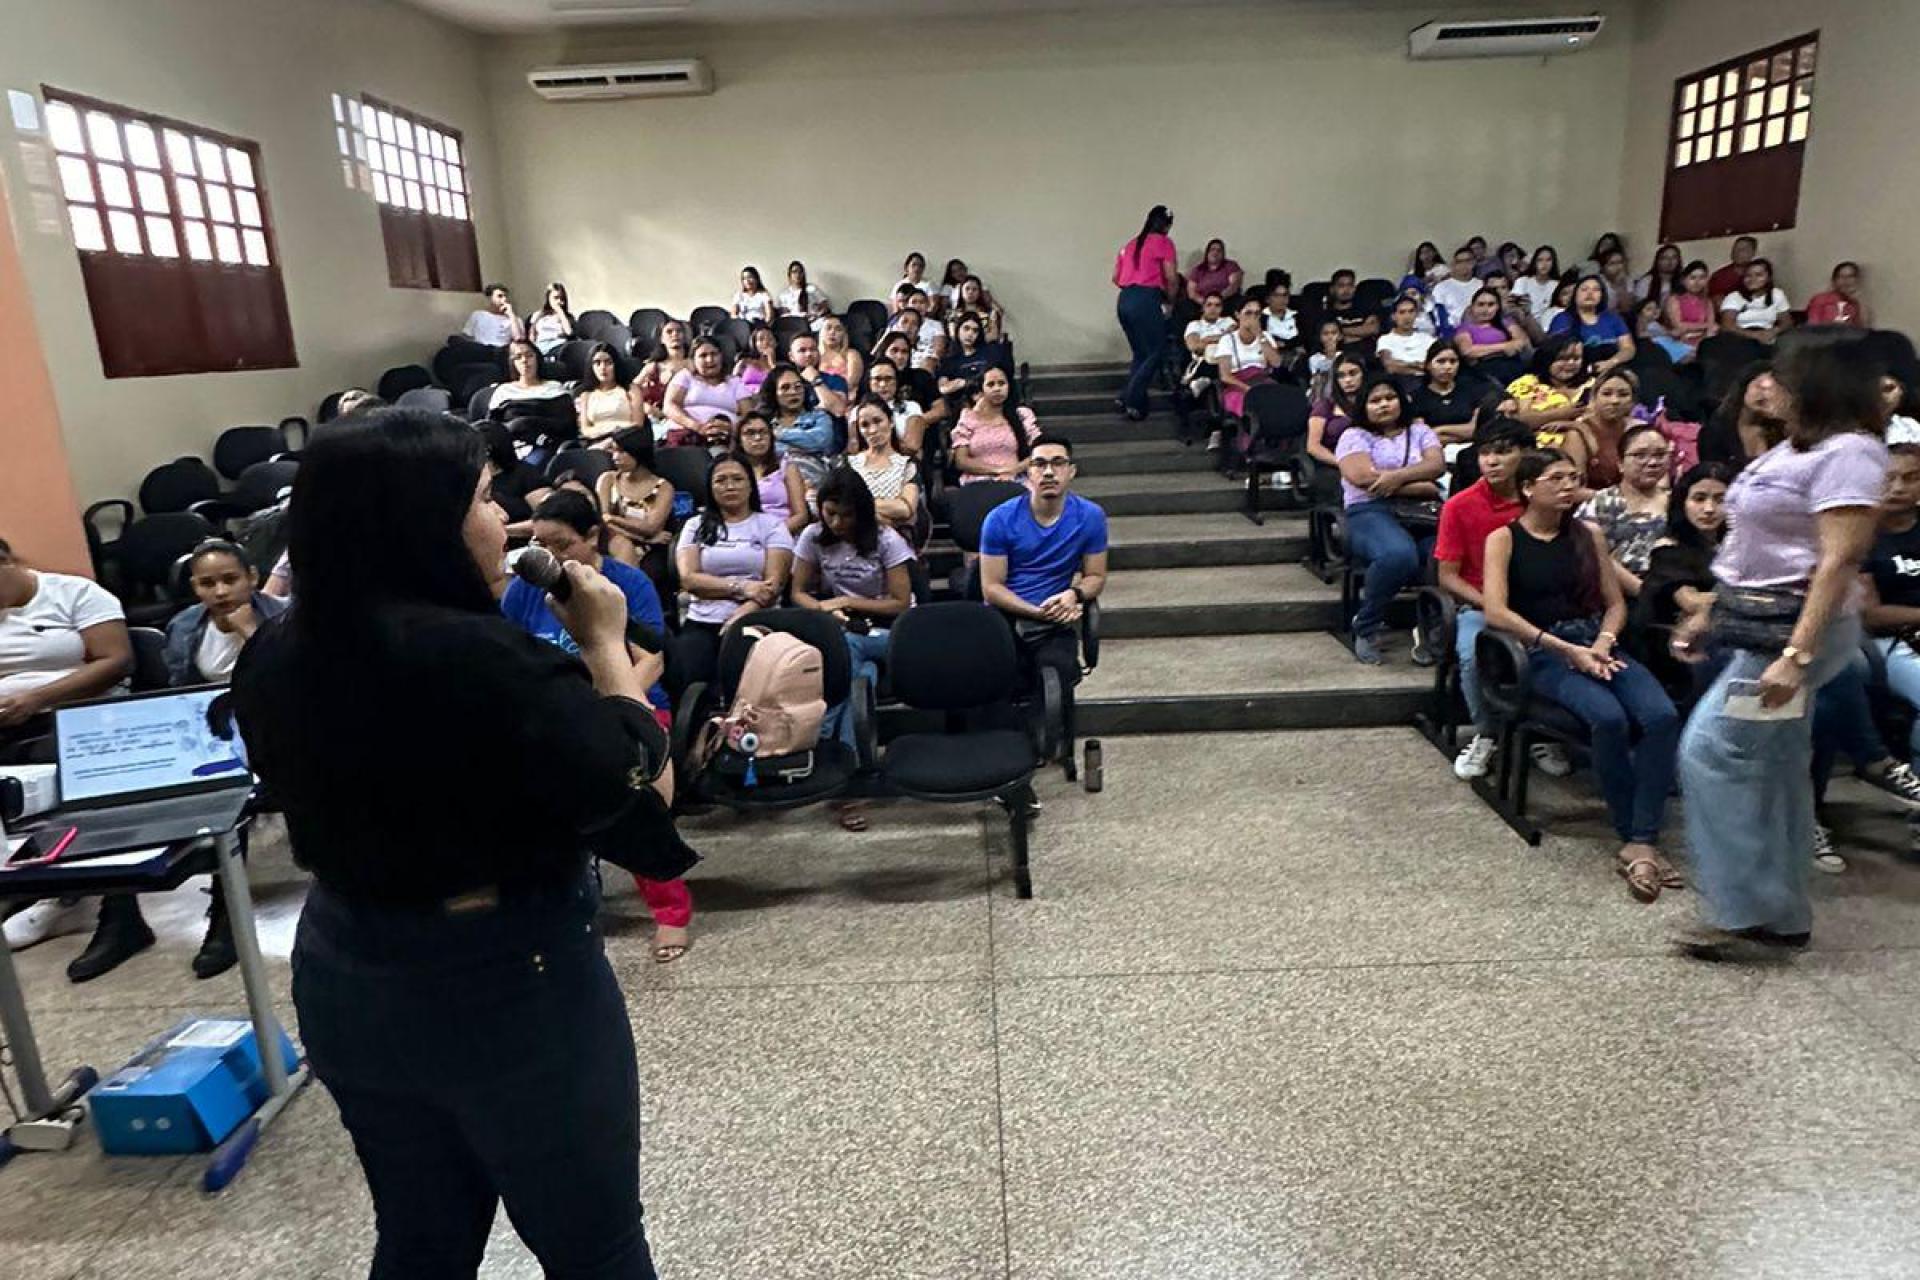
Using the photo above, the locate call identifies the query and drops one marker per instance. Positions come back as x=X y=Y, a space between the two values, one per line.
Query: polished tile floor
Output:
x=1287 y=1005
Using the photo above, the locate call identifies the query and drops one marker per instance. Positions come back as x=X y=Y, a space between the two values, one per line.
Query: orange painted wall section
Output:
x=39 y=514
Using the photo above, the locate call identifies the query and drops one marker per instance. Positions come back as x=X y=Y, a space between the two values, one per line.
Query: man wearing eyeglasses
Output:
x=1042 y=558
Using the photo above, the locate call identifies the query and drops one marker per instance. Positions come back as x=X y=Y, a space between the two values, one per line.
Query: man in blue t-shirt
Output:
x=1042 y=558
x=556 y=526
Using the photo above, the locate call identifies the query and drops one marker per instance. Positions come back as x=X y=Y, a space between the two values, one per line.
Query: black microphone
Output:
x=539 y=567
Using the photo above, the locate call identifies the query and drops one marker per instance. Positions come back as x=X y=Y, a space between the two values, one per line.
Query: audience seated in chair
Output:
x=970 y=356
x=517 y=485
x=702 y=401
x=888 y=474
x=854 y=567
x=1631 y=514
x=1757 y=309
x=973 y=299
x=1679 y=576
x=1599 y=327
x=1424 y=268
x=828 y=391
x=1731 y=276
x=1593 y=440
x=1841 y=303
x=1616 y=280
x=1487 y=342
x=1403 y=350
x=673 y=354
x=1538 y=283
x=1281 y=321
x=1442 y=400
x=1459 y=553
x=1338 y=410
x=800 y=298
x=909 y=419
x=1215 y=273
x=603 y=406
x=1359 y=325
x=1547 y=586
x=782 y=489
x=1043 y=557
x=1383 y=458
x=841 y=367
x=758 y=360
x=809 y=437
x=753 y=302
x=1662 y=280
x=534 y=409
x=1243 y=357
x=986 y=444
x=1453 y=294
x=1687 y=315
x=1890 y=610
x=733 y=558
x=494 y=325
x=929 y=335
x=551 y=327
x=913 y=275
x=1329 y=346
x=1748 y=420
x=1553 y=393
x=638 y=505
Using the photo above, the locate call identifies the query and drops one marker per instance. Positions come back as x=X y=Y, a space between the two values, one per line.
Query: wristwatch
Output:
x=1798 y=657
x=1078 y=594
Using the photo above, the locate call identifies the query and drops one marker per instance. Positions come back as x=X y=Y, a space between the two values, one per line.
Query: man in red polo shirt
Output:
x=1460 y=551
x=1730 y=277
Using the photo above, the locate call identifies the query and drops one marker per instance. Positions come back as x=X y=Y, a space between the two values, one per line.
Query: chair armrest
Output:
x=217 y=511
x=1090 y=635
x=1506 y=680
x=1437 y=614
x=680 y=738
x=861 y=700
x=93 y=512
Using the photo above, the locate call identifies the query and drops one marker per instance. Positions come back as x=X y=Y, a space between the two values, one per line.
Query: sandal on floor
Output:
x=1642 y=876
x=1670 y=875
x=671 y=952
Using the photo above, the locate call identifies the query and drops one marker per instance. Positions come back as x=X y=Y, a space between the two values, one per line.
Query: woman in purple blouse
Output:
x=1801 y=518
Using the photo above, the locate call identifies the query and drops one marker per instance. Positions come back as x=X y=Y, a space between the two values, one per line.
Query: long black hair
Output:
x=1352 y=406
x=1720 y=438
x=769 y=405
x=711 y=521
x=846 y=489
x=1159 y=220
x=590 y=383
x=570 y=507
x=947 y=276
x=759 y=285
x=636 y=443
x=1586 y=561
x=1552 y=349
x=1010 y=408
x=1499 y=320
x=546 y=304
x=401 y=480
x=1681 y=529
x=1833 y=374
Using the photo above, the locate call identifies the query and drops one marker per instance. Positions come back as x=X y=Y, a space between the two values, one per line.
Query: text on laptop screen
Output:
x=133 y=745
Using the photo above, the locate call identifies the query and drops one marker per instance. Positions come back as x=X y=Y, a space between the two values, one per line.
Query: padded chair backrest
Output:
x=479 y=402
x=968 y=505
x=869 y=311
x=821 y=630
x=1313 y=295
x=787 y=328
x=575 y=356
x=588 y=464
x=401 y=379
x=148 y=547
x=1722 y=358
x=149 y=659
x=240 y=447
x=1374 y=293
x=433 y=399
x=684 y=467
x=951 y=655
x=740 y=333
x=707 y=319
x=177 y=485
x=1279 y=411
x=645 y=325
x=591 y=324
x=262 y=484
x=1501 y=677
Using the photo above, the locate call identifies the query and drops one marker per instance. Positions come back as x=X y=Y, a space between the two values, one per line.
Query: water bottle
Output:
x=1091 y=773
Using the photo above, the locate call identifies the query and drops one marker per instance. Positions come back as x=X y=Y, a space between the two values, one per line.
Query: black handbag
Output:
x=1760 y=619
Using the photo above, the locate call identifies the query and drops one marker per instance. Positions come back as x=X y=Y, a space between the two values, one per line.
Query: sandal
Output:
x=1670 y=877
x=853 y=818
x=1642 y=876
x=668 y=952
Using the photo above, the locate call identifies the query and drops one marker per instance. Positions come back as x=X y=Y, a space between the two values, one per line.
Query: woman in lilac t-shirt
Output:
x=1385 y=457
x=1801 y=518
x=1145 y=274
x=733 y=559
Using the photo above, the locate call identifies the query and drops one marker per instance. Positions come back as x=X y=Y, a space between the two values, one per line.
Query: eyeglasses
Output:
x=1649 y=455
x=1049 y=464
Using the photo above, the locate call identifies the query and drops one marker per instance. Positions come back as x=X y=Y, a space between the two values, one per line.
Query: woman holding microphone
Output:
x=1801 y=518
x=445 y=777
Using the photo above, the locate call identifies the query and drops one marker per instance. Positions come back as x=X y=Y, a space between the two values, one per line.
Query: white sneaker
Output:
x=1824 y=858
x=1550 y=758
x=1214 y=442
x=49 y=918
x=1474 y=760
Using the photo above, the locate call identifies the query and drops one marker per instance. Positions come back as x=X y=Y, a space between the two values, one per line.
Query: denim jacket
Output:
x=186 y=629
x=814 y=431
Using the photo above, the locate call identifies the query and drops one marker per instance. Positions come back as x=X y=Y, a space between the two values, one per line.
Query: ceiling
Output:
x=538 y=15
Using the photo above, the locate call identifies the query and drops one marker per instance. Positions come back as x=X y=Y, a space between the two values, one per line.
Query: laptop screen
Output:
x=128 y=746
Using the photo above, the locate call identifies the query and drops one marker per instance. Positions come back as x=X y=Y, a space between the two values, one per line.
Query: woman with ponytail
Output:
x=1545 y=586
x=1144 y=273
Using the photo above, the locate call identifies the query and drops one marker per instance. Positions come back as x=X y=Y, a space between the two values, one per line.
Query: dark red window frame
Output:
x=1750 y=117
x=426 y=249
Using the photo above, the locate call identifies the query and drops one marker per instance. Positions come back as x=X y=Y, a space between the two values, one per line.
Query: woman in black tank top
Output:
x=1546 y=586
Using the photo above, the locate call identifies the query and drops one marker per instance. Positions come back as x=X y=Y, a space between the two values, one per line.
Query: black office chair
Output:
x=787 y=328
x=958 y=658
x=685 y=467
x=1374 y=294
x=262 y=485
x=834 y=767
x=401 y=379
x=149 y=659
x=591 y=325
x=139 y=564
x=1723 y=357
x=966 y=508
x=479 y=401
x=586 y=464
x=644 y=326
x=574 y=358
x=177 y=485
x=1274 y=416
x=1437 y=615
x=1523 y=718
x=708 y=319
x=740 y=334
x=870 y=311
x=329 y=408
x=238 y=448
x=431 y=399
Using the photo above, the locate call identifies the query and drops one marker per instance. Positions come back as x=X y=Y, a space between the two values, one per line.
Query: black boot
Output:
x=216 y=954
x=121 y=934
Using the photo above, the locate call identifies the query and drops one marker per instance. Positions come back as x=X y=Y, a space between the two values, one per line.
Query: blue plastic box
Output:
x=185 y=1091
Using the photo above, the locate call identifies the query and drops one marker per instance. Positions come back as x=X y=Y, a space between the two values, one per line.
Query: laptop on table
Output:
x=147 y=770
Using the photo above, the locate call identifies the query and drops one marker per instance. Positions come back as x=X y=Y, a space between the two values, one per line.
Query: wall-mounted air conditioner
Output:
x=1504 y=37
x=677 y=78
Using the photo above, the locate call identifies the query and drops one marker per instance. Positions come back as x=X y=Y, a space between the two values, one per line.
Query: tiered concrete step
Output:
x=1245 y=599
x=1085 y=428
x=1203 y=540
x=1069 y=380
x=1162 y=493
x=1145 y=456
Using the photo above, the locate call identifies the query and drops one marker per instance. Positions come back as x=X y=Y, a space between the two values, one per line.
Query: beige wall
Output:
x=1032 y=146
x=262 y=69
x=1861 y=181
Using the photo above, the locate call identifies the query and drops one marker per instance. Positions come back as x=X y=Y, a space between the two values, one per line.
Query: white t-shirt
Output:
x=792 y=303
x=1239 y=354
x=1456 y=296
x=1537 y=294
x=1902 y=430
x=40 y=640
x=1284 y=327
x=754 y=306
x=1407 y=348
x=549 y=329
x=930 y=331
x=490 y=327
x=1208 y=329
x=1756 y=313
x=217 y=653
x=906 y=411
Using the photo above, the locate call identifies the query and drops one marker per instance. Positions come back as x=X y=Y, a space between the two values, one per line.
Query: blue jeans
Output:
x=1378 y=540
x=868 y=652
x=1749 y=797
x=1634 y=778
x=1145 y=325
x=477 y=1057
x=1467 y=626
x=1843 y=724
x=1903 y=677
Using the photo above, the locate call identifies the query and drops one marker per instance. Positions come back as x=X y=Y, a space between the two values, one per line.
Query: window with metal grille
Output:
x=175 y=240
x=1738 y=135
x=415 y=169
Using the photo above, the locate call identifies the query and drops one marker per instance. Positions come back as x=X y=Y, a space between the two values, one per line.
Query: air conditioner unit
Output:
x=678 y=78
x=1503 y=38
